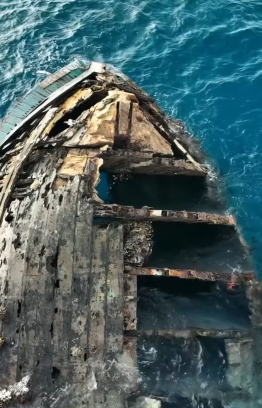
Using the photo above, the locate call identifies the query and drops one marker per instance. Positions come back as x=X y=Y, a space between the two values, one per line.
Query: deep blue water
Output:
x=201 y=61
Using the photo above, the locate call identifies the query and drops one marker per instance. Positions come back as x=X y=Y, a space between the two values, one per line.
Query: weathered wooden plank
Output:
x=27 y=330
x=14 y=301
x=64 y=265
x=92 y=174
x=7 y=235
x=144 y=135
x=74 y=163
x=20 y=159
x=34 y=333
x=178 y=139
x=114 y=291
x=29 y=298
x=47 y=282
x=231 y=278
x=80 y=290
x=21 y=295
x=96 y=341
x=148 y=214
x=130 y=302
x=101 y=124
x=145 y=163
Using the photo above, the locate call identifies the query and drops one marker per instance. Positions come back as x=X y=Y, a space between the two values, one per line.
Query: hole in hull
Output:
x=203 y=247
x=174 y=303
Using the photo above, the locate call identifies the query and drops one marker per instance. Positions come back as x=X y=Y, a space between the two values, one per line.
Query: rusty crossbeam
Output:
x=191 y=274
x=149 y=214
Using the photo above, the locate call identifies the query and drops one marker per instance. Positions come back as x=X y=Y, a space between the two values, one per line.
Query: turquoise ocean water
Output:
x=201 y=61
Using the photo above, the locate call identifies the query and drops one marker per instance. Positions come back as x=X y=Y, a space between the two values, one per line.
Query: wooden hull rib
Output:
x=87 y=157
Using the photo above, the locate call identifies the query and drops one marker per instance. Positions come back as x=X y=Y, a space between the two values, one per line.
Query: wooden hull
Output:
x=75 y=269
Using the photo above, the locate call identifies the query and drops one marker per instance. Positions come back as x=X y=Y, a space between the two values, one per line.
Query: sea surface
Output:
x=200 y=60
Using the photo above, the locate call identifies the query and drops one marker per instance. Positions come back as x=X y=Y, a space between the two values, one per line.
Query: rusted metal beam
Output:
x=114 y=291
x=146 y=163
x=191 y=274
x=149 y=214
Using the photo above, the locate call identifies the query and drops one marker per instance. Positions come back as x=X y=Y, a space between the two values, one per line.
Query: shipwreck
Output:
x=124 y=281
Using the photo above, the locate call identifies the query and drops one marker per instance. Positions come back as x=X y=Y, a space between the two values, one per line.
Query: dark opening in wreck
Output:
x=124 y=282
x=160 y=191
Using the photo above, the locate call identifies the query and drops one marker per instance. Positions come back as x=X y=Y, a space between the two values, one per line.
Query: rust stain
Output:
x=232 y=279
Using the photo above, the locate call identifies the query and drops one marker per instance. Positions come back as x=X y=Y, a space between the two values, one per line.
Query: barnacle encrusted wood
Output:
x=66 y=303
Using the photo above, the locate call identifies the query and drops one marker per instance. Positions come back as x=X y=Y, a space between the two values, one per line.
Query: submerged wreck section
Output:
x=122 y=277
